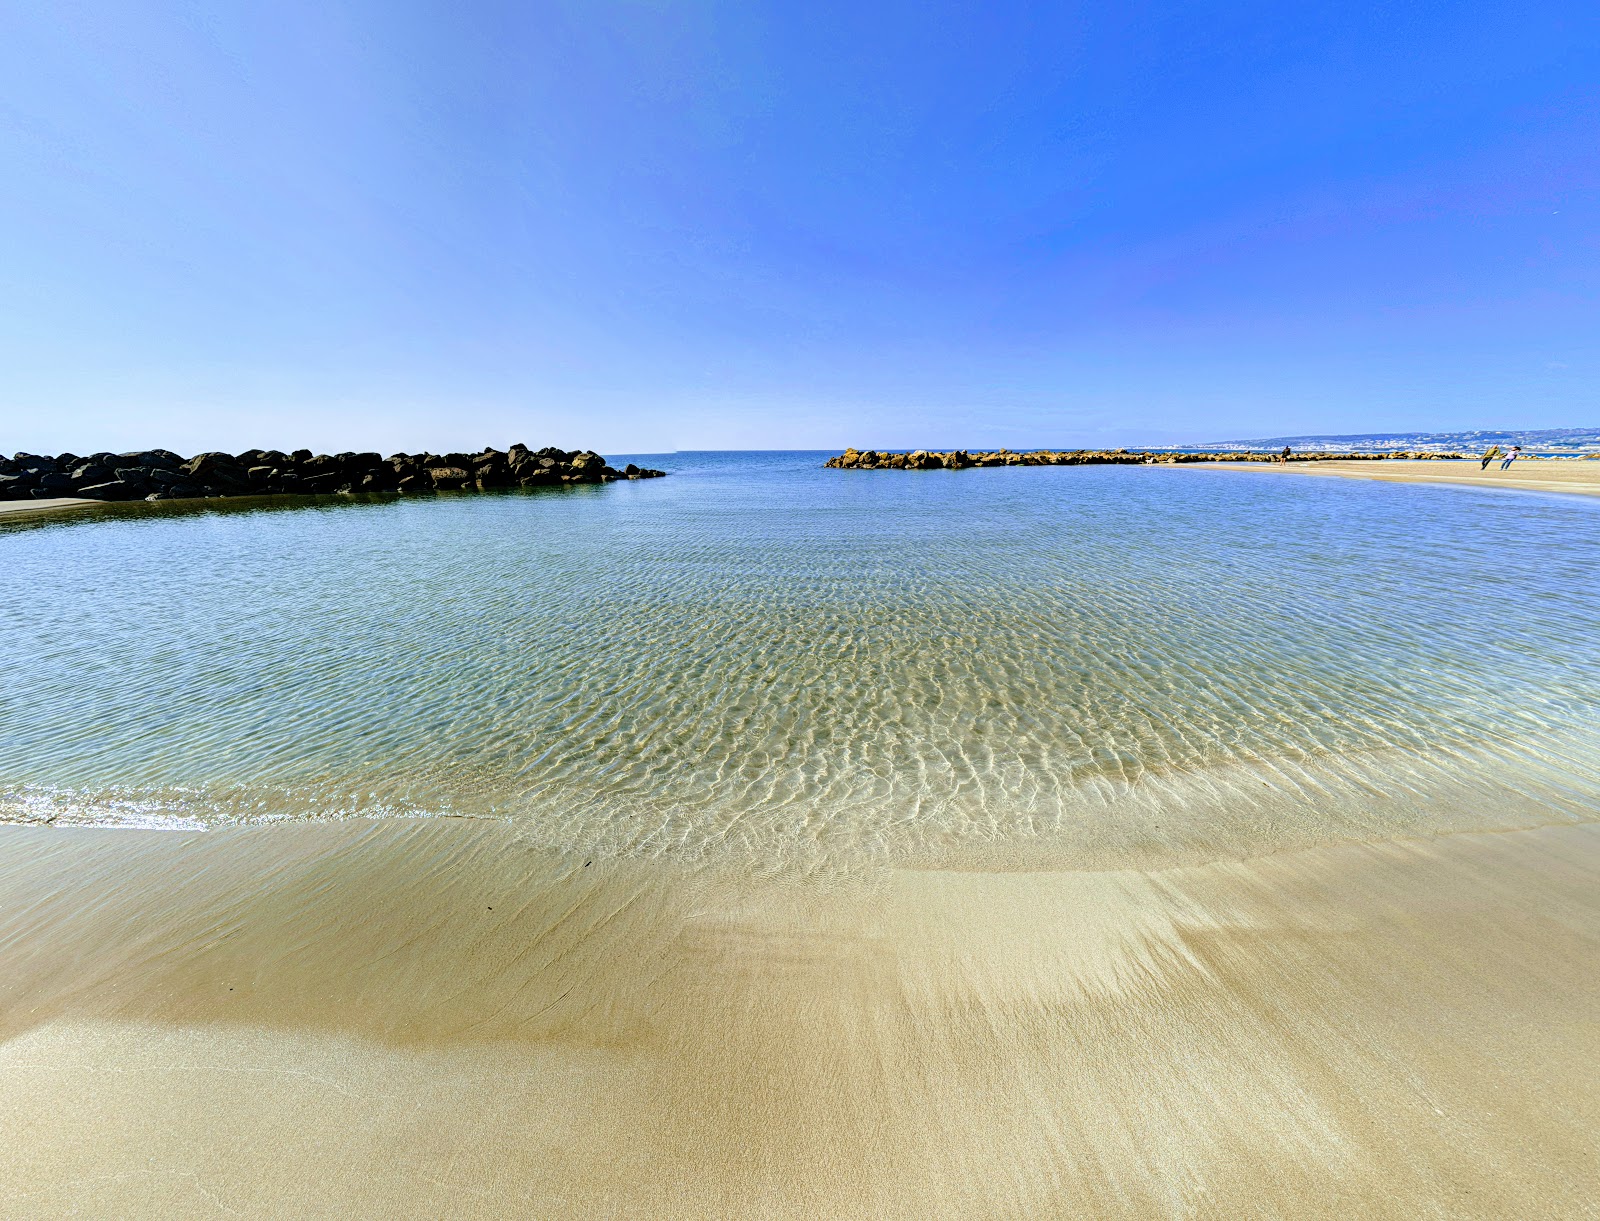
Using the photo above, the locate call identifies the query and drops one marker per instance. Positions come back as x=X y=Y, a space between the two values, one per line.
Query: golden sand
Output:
x=438 y=1018
x=1526 y=474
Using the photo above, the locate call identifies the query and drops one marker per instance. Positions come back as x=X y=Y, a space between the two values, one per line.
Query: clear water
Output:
x=1089 y=667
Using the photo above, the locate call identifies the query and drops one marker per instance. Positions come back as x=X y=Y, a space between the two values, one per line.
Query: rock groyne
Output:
x=961 y=459
x=160 y=474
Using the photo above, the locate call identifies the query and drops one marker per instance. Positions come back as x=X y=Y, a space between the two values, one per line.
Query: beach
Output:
x=766 y=841
x=230 y=1022
x=477 y=743
x=1581 y=478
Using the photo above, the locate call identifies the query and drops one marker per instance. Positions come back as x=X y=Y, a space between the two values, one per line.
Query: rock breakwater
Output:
x=160 y=474
x=961 y=459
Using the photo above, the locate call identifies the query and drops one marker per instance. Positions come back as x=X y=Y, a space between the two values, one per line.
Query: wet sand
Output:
x=1526 y=474
x=441 y=1018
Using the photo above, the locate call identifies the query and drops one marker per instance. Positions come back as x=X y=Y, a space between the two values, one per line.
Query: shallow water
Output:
x=1084 y=666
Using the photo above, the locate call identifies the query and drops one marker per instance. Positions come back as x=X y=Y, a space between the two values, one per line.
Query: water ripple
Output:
x=1100 y=666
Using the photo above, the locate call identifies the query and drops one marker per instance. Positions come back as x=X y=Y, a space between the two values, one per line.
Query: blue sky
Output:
x=649 y=226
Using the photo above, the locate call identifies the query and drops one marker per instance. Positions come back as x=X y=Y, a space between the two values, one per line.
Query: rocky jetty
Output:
x=961 y=459
x=160 y=474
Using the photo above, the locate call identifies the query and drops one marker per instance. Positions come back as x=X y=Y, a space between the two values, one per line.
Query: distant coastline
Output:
x=1552 y=441
x=1572 y=474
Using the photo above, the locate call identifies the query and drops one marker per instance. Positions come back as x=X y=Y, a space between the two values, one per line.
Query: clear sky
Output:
x=646 y=226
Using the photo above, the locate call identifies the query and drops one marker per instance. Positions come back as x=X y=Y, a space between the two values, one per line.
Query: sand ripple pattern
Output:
x=1092 y=667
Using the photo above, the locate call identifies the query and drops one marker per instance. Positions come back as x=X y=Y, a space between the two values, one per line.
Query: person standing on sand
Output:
x=1488 y=457
x=1511 y=456
x=1283 y=458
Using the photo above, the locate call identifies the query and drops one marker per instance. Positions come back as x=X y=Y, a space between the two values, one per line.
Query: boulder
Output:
x=146 y=473
x=134 y=476
x=449 y=477
x=114 y=490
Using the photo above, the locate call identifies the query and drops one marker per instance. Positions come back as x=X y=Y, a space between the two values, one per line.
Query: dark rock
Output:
x=115 y=490
x=133 y=476
x=449 y=476
x=162 y=474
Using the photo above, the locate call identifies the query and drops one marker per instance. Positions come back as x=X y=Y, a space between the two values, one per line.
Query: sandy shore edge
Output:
x=440 y=1018
x=9 y=507
x=1526 y=475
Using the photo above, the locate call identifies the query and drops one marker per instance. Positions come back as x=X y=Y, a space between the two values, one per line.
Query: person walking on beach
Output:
x=1488 y=457
x=1283 y=458
x=1511 y=456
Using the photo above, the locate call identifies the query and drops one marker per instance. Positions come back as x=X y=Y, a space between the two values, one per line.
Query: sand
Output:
x=439 y=1018
x=44 y=506
x=1579 y=477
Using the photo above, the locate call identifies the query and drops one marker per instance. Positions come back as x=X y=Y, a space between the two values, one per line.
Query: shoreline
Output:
x=487 y=1026
x=55 y=504
x=1576 y=478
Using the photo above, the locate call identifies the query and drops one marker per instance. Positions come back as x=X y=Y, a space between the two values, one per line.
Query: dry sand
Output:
x=438 y=1018
x=1526 y=474
x=44 y=506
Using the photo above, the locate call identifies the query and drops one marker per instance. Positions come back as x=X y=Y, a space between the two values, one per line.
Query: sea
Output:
x=1039 y=667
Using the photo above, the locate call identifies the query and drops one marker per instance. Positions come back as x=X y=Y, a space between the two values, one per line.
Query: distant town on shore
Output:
x=1539 y=440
